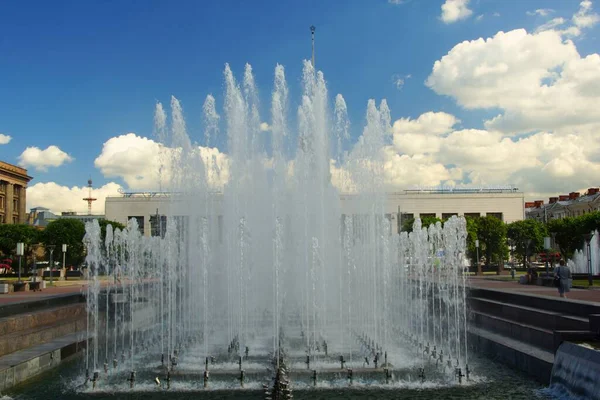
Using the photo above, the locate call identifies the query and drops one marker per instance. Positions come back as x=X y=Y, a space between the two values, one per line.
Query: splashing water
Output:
x=269 y=264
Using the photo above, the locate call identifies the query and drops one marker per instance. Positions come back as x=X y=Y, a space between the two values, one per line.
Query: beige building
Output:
x=13 y=185
x=506 y=204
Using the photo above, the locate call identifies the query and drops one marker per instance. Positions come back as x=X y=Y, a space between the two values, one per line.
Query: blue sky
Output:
x=77 y=73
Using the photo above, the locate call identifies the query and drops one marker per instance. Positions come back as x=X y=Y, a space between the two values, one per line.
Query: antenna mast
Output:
x=89 y=199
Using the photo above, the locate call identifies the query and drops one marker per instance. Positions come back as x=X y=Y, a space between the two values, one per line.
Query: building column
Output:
x=8 y=213
x=23 y=205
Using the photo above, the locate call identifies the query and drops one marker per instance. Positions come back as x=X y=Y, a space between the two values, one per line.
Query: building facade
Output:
x=13 y=193
x=567 y=205
x=150 y=209
x=40 y=217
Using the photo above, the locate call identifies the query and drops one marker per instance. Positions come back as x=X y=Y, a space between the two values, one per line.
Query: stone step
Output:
x=575 y=308
x=31 y=320
x=538 y=337
x=522 y=356
x=25 y=364
x=40 y=334
x=529 y=315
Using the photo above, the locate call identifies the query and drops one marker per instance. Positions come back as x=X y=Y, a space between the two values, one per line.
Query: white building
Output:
x=507 y=204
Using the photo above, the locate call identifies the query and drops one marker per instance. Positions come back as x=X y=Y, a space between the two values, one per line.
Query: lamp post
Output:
x=547 y=246
x=588 y=238
x=478 y=264
x=33 y=250
x=51 y=250
x=554 y=248
x=20 y=252
x=64 y=251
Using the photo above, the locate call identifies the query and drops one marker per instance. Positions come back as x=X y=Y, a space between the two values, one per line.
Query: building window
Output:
x=427 y=215
x=140 y=222
x=1 y=202
x=2 y=220
x=15 y=220
x=496 y=215
x=472 y=215
x=15 y=205
x=2 y=187
x=448 y=215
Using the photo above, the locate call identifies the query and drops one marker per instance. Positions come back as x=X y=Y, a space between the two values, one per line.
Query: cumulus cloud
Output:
x=4 y=139
x=59 y=198
x=544 y=162
x=264 y=127
x=41 y=160
x=432 y=123
x=539 y=81
x=455 y=10
x=144 y=164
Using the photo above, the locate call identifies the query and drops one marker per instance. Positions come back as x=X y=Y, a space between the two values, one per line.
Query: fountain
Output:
x=267 y=276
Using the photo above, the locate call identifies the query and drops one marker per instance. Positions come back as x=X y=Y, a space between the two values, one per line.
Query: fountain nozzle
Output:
x=131 y=379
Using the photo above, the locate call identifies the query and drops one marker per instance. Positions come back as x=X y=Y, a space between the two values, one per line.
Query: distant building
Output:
x=40 y=217
x=150 y=209
x=566 y=205
x=13 y=192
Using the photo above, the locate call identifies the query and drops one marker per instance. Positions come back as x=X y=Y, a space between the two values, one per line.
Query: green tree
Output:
x=569 y=231
x=528 y=230
x=10 y=235
x=104 y=223
x=407 y=226
x=491 y=233
x=472 y=227
x=69 y=232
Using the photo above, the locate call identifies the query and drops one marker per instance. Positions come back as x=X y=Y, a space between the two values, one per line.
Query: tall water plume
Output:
x=272 y=258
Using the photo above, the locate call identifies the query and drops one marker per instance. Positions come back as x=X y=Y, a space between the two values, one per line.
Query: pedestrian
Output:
x=563 y=273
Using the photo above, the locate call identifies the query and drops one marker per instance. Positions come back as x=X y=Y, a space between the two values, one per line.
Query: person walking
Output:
x=564 y=274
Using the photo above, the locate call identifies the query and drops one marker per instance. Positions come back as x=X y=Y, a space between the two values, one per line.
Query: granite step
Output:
x=535 y=336
x=532 y=316
x=522 y=356
x=40 y=334
x=33 y=319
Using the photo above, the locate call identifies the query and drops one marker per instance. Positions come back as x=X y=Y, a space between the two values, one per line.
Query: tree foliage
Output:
x=527 y=231
x=570 y=230
x=10 y=235
x=407 y=226
x=104 y=223
x=69 y=232
x=472 y=227
x=491 y=233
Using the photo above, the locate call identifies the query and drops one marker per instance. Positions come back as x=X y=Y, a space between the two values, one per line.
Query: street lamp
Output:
x=588 y=238
x=478 y=264
x=64 y=251
x=51 y=250
x=547 y=246
x=33 y=250
x=20 y=252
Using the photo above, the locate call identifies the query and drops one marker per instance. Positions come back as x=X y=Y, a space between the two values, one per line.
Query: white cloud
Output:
x=4 y=139
x=41 y=160
x=496 y=14
x=429 y=123
x=59 y=198
x=585 y=18
x=541 y=12
x=398 y=2
x=455 y=10
x=479 y=17
x=540 y=163
x=145 y=164
x=264 y=127
x=553 y=23
x=538 y=81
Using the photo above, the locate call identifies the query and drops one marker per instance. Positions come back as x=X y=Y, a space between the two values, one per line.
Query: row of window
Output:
x=407 y=216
